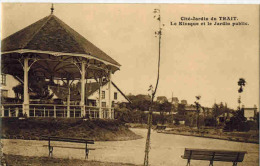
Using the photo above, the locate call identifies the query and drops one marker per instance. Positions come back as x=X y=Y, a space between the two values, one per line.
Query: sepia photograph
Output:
x=129 y=84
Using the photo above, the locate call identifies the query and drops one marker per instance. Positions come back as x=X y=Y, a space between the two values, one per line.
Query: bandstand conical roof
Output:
x=52 y=36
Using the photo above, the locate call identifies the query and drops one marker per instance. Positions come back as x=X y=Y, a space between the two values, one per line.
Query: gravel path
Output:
x=166 y=149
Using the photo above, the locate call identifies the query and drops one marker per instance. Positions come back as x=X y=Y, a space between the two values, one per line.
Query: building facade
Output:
x=7 y=83
x=250 y=113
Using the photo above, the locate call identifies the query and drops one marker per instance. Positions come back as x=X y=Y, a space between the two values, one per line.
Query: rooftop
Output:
x=51 y=35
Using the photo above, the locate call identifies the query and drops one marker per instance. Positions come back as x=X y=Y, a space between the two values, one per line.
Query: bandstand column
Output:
x=25 y=88
x=68 y=101
x=82 y=101
x=2 y=111
x=109 y=96
x=99 y=97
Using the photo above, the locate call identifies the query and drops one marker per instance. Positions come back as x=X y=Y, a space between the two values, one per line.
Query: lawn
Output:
x=16 y=160
x=98 y=130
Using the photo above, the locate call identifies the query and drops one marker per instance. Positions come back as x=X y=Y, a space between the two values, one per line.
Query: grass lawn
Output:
x=98 y=129
x=16 y=160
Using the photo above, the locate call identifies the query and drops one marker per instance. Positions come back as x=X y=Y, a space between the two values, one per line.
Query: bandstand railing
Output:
x=11 y=110
x=93 y=112
x=56 y=111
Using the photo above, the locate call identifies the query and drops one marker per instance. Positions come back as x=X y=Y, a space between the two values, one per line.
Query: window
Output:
x=3 y=79
x=115 y=96
x=94 y=103
x=113 y=103
x=4 y=93
x=103 y=95
x=104 y=104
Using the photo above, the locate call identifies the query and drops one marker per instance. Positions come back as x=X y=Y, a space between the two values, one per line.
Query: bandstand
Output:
x=52 y=50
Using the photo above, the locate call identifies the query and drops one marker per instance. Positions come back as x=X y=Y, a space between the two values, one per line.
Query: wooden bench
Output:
x=160 y=127
x=86 y=142
x=213 y=155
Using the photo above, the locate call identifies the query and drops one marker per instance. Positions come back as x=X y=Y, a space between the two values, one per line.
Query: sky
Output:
x=198 y=60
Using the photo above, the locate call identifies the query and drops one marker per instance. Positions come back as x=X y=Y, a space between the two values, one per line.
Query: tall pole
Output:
x=109 y=96
x=239 y=102
x=100 y=100
x=82 y=101
x=147 y=146
x=25 y=88
x=68 y=99
x=241 y=82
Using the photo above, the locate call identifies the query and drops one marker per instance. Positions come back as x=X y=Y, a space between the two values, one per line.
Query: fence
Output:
x=56 y=111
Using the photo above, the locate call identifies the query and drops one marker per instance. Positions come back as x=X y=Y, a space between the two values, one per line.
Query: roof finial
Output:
x=52 y=8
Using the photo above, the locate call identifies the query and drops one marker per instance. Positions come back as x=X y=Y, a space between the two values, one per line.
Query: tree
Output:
x=139 y=102
x=210 y=121
x=18 y=90
x=241 y=83
x=153 y=91
x=37 y=85
x=40 y=87
x=198 y=106
x=237 y=122
x=190 y=119
x=165 y=107
x=215 y=113
x=181 y=110
x=219 y=109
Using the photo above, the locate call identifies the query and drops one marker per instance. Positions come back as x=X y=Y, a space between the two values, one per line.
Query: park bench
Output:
x=213 y=155
x=73 y=140
x=160 y=127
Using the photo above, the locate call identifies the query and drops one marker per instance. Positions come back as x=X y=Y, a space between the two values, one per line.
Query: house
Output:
x=191 y=109
x=7 y=83
x=60 y=93
x=250 y=113
x=184 y=102
x=91 y=94
x=162 y=99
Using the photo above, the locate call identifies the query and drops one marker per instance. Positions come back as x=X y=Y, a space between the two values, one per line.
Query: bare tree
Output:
x=147 y=146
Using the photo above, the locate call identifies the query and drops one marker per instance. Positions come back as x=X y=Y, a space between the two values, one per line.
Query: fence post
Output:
x=9 y=112
x=16 y=111
x=33 y=112
x=2 y=111
x=113 y=113
x=54 y=111
x=44 y=111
